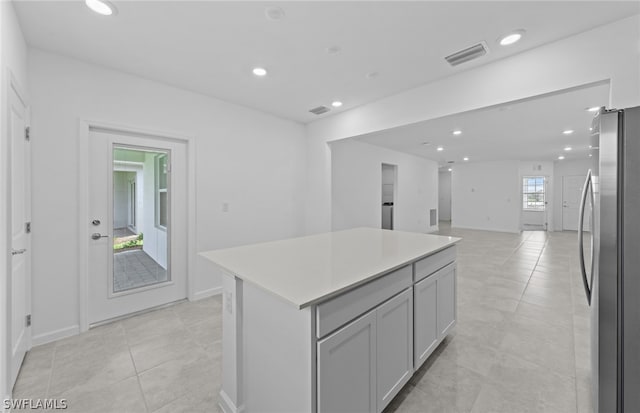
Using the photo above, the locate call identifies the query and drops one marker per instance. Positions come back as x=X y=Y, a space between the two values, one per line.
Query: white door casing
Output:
x=19 y=214
x=103 y=303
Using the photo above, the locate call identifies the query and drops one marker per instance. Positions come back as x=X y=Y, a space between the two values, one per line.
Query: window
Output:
x=533 y=196
x=162 y=205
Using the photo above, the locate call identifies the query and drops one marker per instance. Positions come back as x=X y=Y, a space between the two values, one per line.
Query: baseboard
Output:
x=486 y=229
x=226 y=405
x=207 y=293
x=55 y=335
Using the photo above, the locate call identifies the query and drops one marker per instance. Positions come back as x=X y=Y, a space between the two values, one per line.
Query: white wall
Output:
x=486 y=195
x=562 y=169
x=444 y=196
x=13 y=60
x=253 y=161
x=555 y=66
x=357 y=190
x=539 y=219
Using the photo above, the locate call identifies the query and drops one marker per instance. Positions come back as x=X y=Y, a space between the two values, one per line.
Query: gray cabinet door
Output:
x=446 y=284
x=347 y=368
x=426 y=319
x=395 y=346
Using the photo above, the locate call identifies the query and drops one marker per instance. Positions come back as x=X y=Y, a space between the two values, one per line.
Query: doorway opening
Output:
x=444 y=196
x=389 y=179
x=137 y=223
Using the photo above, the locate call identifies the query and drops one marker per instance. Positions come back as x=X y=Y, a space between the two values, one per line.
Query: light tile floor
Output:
x=521 y=344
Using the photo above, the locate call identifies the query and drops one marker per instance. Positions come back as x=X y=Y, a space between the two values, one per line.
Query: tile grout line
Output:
x=546 y=241
x=144 y=398
x=53 y=360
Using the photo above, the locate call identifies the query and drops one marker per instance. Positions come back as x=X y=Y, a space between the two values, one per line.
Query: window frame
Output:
x=526 y=193
x=158 y=190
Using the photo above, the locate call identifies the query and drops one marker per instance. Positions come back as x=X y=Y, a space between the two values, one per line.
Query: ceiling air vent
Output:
x=467 y=54
x=320 y=110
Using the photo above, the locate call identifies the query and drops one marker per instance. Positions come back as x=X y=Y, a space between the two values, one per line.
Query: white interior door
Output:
x=571 y=192
x=19 y=279
x=134 y=268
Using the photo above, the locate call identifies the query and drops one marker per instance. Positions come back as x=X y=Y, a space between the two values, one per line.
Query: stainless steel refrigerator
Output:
x=609 y=251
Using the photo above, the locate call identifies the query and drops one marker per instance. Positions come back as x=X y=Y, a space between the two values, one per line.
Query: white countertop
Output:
x=312 y=269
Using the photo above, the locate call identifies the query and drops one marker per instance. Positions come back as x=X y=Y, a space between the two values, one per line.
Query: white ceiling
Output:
x=525 y=130
x=211 y=47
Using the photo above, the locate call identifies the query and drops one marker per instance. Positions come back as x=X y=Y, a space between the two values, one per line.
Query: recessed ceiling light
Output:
x=440 y=149
x=568 y=148
x=593 y=109
x=590 y=146
x=511 y=38
x=336 y=103
x=101 y=7
x=259 y=71
x=561 y=157
x=466 y=158
x=568 y=131
x=450 y=169
x=590 y=155
x=457 y=132
x=590 y=129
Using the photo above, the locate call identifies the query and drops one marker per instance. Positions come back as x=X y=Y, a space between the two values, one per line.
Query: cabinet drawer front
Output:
x=346 y=307
x=433 y=263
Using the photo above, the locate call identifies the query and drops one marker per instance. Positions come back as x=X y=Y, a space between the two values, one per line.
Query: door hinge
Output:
x=28 y=320
x=27 y=133
x=27 y=227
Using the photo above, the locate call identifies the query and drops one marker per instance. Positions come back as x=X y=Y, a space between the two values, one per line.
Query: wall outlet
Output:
x=225 y=206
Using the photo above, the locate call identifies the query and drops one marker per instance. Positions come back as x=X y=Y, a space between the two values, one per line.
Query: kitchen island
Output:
x=332 y=322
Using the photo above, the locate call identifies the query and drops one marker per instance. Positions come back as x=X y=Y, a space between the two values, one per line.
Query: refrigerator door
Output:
x=604 y=326
x=630 y=260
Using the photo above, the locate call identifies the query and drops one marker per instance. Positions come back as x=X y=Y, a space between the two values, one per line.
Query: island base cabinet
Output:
x=434 y=311
x=362 y=366
x=395 y=346
x=446 y=299
x=347 y=368
x=426 y=320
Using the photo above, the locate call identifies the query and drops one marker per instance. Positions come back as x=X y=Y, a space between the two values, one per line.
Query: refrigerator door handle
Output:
x=588 y=188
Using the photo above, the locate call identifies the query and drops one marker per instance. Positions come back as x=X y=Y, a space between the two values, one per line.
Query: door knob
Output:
x=96 y=222
x=97 y=235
